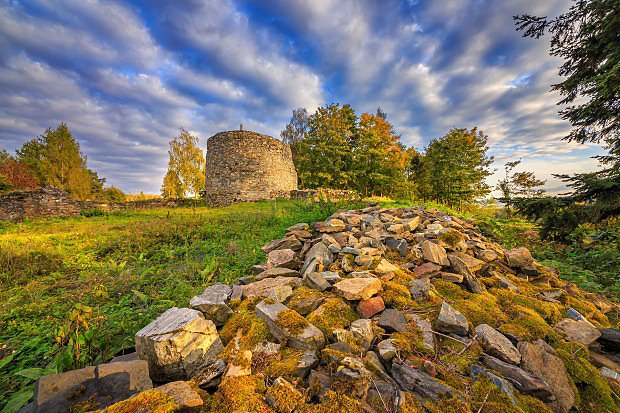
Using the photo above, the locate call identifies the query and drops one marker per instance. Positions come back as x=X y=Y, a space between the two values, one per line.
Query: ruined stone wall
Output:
x=248 y=166
x=44 y=202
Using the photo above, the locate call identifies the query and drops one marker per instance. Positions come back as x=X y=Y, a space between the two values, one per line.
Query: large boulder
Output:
x=102 y=385
x=178 y=343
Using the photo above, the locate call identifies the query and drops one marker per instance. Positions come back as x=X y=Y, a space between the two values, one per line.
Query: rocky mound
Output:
x=376 y=310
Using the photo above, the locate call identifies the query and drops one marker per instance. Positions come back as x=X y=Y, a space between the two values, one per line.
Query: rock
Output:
x=399 y=245
x=420 y=383
x=301 y=335
x=236 y=292
x=370 y=307
x=316 y=281
x=393 y=320
x=580 y=331
x=451 y=277
x=209 y=375
x=125 y=357
x=105 y=384
x=257 y=269
x=302 y=226
x=525 y=382
x=319 y=383
x=519 y=257
x=283 y=243
x=506 y=283
x=426 y=270
x=264 y=287
x=329 y=226
x=537 y=360
x=600 y=360
x=610 y=339
x=330 y=276
x=425 y=326
x=283 y=258
x=387 y=350
x=178 y=343
x=281 y=293
x=277 y=272
x=358 y=288
x=420 y=288
x=332 y=245
x=186 y=397
x=496 y=344
x=241 y=366
x=434 y=253
x=353 y=371
x=212 y=303
x=306 y=362
x=459 y=261
x=487 y=255
x=283 y=396
x=317 y=259
x=362 y=329
x=371 y=358
x=609 y=373
x=385 y=267
x=451 y=321
x=504 y=385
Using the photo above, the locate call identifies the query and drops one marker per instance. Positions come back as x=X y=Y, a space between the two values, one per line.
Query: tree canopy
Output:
x=186 y=167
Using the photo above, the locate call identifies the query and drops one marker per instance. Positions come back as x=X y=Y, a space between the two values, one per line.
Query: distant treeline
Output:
x=54 y=159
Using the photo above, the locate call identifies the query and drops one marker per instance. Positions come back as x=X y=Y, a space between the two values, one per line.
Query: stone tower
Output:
x=248 y=166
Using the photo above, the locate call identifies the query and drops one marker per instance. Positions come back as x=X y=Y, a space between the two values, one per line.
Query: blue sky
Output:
x=126 y=75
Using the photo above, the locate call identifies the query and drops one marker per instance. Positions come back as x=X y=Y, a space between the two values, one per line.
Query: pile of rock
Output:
x=385 y=310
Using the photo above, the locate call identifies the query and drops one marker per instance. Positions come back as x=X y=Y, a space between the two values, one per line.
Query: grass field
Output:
x=74 y=292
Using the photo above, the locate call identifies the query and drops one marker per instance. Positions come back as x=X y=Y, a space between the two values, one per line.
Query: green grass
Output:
x=74 y=292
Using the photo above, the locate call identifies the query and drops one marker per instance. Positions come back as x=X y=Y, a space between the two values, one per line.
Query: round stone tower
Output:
x=248 y=166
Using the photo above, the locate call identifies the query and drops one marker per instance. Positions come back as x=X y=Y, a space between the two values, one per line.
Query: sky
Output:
x=127 y=75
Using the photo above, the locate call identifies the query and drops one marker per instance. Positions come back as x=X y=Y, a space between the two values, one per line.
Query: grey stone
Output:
x=420 y=383
x=387 y=350
x=284 y=258
x=316 y=281
x=420 y=288
x=451 y=321
x=519 y=257
x=392 y=320
x=283 y=243
x=496 y=344
x=399 y=245
x=178 y=343
x=425 y=326
x=525 y=382
x=331 y=276
x=504 y=385
x=311 y=338
x=184 y=396
x=307 y=362
x=362 y=329
x=209 y=375
x=282 y=386
x=317 y=259
x=212 y=303
x=610 y=339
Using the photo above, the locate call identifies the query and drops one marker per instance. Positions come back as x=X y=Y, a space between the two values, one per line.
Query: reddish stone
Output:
x=370 y=307
x=427 y=269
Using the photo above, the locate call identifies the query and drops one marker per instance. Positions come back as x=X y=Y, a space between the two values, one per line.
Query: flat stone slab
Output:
x=178 y=343
x=358 y=288
x=525 y=382
x=276 y=272
x=496 y=344
x=105 y=384
x=434 y=253
x=309 y=338
x=418 y=382
x=283 y=258
x=264 y=288
x=183 y=395
x=580 y=331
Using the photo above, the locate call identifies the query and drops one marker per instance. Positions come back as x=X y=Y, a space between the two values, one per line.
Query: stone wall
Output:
x=324 y=194
x=248 y=166
x=44 y=202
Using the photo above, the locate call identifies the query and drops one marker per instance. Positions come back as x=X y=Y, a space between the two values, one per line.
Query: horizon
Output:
x=127 y=75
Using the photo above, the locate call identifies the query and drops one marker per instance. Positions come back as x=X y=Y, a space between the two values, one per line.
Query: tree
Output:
x=587 y=38
x=17 y=175
x=458 y=166
x=186 y=167
x=519 y=184
x=378 y=157
x=111 y=194
x=417 y=172
x=297 y=127
x=55 y=158
x=325 y=155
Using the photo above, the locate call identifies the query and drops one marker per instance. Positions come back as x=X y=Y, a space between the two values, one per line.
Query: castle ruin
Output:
x=244 y=166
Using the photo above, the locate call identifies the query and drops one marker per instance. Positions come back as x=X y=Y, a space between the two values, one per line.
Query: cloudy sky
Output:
x=126 y=75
